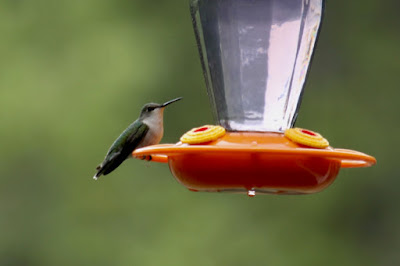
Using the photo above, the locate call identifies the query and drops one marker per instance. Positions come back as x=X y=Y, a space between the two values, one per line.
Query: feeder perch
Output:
x=255 y=56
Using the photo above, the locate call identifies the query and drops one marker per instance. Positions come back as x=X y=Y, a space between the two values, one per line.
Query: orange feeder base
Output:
x=251 y=162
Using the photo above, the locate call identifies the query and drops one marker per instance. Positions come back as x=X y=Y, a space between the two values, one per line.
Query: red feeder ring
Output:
x=251 y=162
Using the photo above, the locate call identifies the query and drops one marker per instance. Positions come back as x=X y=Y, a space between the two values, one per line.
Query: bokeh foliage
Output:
x=74 y=74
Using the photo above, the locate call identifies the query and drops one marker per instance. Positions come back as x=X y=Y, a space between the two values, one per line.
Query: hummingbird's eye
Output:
x=149 y=109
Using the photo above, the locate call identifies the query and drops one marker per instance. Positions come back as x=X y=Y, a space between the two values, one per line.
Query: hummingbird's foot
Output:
x=144 y=157
x=147 y=157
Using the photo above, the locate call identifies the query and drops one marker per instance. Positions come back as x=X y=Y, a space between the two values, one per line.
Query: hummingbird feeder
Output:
x=255 y=56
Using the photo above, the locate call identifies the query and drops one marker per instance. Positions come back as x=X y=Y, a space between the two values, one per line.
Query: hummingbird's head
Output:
x=154 y=111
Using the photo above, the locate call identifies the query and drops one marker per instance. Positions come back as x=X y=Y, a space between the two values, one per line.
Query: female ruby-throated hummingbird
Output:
x=146 y=130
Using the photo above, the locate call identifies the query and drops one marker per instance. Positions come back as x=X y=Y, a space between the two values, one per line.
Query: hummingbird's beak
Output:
x=169 y=102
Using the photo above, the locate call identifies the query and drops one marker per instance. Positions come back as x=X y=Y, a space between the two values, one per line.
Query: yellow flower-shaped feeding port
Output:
x=306 y=137
x=203 y=134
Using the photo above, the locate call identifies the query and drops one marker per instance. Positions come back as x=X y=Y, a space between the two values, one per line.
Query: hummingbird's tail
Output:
x=99 y=169
x=95 y=177
x=109 y=165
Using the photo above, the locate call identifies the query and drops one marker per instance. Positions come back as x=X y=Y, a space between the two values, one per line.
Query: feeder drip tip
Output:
x=251 y=193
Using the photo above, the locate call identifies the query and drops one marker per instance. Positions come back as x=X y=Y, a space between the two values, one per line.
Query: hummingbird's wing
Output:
x=123 y=147
x=129 y=139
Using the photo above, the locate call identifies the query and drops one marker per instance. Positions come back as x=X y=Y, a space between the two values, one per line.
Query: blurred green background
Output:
x=74 y=74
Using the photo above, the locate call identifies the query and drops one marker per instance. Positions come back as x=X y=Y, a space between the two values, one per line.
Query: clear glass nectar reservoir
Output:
x=255 y=56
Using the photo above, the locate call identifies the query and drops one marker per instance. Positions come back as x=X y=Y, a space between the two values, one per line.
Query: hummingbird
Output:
x=146 y=130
